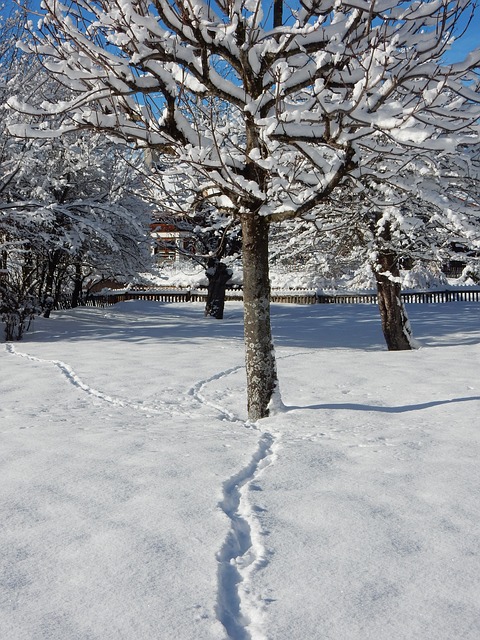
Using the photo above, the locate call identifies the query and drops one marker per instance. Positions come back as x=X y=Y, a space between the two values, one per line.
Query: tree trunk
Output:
x=395 y=323
x=48 y=300
x=277 y=13
x=259 y=353
x=218 y=275
x=47 y=306
x=77 y=285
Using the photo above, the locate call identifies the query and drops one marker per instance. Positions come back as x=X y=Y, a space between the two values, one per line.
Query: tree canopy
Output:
x=276 y=114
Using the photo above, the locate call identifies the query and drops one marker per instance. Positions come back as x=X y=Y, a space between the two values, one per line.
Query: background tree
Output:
x=383 y=243
x=270 y=120
x=66 y=204
x=71 y=208
x=393 y=229
x=17 y=303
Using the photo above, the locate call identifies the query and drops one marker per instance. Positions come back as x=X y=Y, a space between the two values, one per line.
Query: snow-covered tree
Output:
x=17 y=303
x=273 y=119
x=71 y=209
x=391 y=227
x=384 y=234
x=67 y=205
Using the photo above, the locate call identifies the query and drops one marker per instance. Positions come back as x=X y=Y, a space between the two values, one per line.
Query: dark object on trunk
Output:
x=218 y=275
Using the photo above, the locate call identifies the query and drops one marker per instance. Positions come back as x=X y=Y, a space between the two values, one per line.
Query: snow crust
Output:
x=138 y=502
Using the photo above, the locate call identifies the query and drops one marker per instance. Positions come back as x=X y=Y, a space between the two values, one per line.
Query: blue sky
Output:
x=469 y=41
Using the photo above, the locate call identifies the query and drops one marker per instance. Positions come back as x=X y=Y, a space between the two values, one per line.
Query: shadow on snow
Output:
x=310 y=326
x=352 y=406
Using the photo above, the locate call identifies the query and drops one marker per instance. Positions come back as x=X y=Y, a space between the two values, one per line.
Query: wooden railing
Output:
x=296 y=297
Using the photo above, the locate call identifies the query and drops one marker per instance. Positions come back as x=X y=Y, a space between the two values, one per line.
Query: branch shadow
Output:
x=351 y=406
x=320 y=326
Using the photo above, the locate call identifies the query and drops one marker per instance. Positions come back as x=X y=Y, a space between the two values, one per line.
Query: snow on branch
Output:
x=274 y=119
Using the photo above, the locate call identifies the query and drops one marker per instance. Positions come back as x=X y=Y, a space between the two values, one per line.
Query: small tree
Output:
x=270 y=120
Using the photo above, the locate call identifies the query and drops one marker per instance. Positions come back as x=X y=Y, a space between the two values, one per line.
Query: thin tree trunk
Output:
x=259 y=353
x=395 y=323
x=48 y=297
x=277 y=13
x=77 y=285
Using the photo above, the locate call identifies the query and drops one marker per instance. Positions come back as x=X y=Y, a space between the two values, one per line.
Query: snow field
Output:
x=137 y=502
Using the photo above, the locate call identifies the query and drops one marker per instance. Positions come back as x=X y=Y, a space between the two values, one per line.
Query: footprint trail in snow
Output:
x=243 y=552
x=195 y=392
x=76 y=381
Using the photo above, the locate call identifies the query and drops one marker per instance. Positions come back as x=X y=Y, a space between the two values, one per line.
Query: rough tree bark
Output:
x=395 y=323
x=259 y=353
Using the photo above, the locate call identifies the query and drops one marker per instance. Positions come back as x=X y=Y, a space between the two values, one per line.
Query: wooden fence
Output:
x=409 y=297
x=295 y=297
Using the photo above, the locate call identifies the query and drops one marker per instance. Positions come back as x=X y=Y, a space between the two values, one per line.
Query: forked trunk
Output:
x=259 y=353
x=395 y=323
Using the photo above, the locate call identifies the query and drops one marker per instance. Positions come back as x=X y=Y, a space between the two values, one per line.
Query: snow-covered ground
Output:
x=138 y=503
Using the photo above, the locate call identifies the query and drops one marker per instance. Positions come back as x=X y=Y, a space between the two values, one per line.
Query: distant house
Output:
x=171 y=243
x=464 y=256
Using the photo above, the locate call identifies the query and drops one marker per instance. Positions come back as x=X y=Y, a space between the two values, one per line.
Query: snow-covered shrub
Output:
x=470 y=275
x=424 y=276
